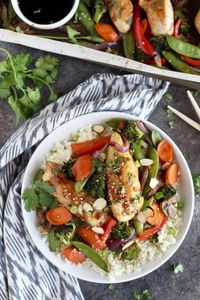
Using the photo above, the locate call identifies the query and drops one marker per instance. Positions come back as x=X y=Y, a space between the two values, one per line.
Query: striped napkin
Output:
x=25 y=274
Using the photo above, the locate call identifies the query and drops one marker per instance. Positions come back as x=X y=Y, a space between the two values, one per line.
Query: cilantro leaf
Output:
x=72 y=33
x=112 y=287
x=177 y=268
x=48 y=62
x=145 y=293
x=39 y=184
x=21 y=85
x=30 y=198
x=196 y=181
x=54 y=241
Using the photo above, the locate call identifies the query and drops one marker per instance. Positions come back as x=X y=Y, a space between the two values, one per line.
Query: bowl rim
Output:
x=184 y=232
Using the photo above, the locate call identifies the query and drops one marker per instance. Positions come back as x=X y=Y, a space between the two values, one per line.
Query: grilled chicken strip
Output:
x=160 y=15
x=197 y=22
x=66 y=195
x=123 y=182
x=121 y=13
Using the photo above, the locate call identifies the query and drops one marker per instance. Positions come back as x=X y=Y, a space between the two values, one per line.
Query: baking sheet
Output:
x=76 y=51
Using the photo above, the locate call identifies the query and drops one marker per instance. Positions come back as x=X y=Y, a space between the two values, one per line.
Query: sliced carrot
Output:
x=165 y=151
x=158 y=214
x=107 y=32
x=171 y=176
x=58 y=216
x=74 y=255
x=91 y=238
x=82 y=167
x=89 y=147
x=148 y=233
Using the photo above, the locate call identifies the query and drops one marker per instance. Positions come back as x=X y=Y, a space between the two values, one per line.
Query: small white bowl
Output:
x=63 y=133
x=63 y=21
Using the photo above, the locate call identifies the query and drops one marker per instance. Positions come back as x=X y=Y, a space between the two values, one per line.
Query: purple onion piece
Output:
x=102 y=46
x=116 y=244
x=97 y=154
x=148 y=139
x=120 y=148
x=142 y=127
x=154 y=190
x=144 y=177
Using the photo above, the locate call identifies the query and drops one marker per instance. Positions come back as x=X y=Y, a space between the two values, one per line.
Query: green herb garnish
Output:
x=196 y=181
x=177 y=268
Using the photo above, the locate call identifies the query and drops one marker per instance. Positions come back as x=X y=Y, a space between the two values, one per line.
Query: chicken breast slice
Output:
x=66 y=195
x=197 y=22
x=160 y=15
x=123 y=182
x=121 y=13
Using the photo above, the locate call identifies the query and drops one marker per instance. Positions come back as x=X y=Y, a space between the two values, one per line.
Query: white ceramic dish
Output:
x=81 y=271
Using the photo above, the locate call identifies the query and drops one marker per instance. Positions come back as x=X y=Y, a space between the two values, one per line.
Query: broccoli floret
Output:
x=61 y=235
x=131 y=131
x=96 y=184
x=165 y=192
x=160 y=43
x=67 y=168
x=131 y=252
x=122 y=231
x=141 y=56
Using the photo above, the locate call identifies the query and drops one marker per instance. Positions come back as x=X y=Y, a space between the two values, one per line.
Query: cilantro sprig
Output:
x=196 y=181
x=21 y=84
x=40 y=194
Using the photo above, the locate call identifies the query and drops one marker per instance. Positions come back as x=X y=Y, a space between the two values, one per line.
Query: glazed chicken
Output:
x=66 y=195
x=160 y=15
x=123 y=182
x=121 y=13
x=197 y=22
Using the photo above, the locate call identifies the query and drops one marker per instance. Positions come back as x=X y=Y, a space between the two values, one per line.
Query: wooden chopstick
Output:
x=194 y=103
x=185 y=118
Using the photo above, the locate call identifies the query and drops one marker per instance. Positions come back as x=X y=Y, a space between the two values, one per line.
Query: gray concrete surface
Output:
x=163 y=283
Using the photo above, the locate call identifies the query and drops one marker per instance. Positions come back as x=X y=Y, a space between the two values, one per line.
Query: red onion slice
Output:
x=154 y=190
x=144 y=177
x=142 y=127
x=120 y=148
x=116 y=244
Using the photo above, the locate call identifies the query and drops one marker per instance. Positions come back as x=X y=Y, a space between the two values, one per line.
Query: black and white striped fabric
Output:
x=24 y=272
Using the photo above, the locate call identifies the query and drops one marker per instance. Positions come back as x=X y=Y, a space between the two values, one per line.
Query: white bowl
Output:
x=71 y=13
x=81 y=271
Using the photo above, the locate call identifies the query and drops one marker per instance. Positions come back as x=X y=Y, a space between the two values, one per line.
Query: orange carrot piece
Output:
x=165 y=151
x=171 y=176
x=107 y=32
x=74 y=255
x=82 y=167
x=91 y=238
x=158 y=214
x=89 y=147
x=58 y=216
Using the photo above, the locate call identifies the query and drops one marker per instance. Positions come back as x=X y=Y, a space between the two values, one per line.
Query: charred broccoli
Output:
x=131 y=252
x=165 y=192
x=131 y=131
x=67 y=168
x=122 y=231
x=160 y=43
x=96 y=184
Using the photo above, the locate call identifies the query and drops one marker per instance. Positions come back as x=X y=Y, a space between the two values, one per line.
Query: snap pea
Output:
x=85 y=18
x=92 y=254
x=156 y=137
x=177 y=63
x=152 y=154
x=137 y=151
x=129 y=44
x=183 y=47
x=100 y=9
x=139 y=227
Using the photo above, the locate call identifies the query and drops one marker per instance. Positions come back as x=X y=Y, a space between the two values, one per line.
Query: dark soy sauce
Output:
x=45 y=12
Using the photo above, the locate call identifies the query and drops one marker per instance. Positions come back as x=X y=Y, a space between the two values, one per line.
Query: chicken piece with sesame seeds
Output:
x=67 y=196
x=121 y=13
x=160 y=15
x=123 y=182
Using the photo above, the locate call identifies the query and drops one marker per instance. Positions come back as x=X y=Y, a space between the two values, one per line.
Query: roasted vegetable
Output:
x=165 y=192
x=61 y=235
x=67 y=168
x=122 y=231
x=131 y=252
x=131 y=131
x=96 y=184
